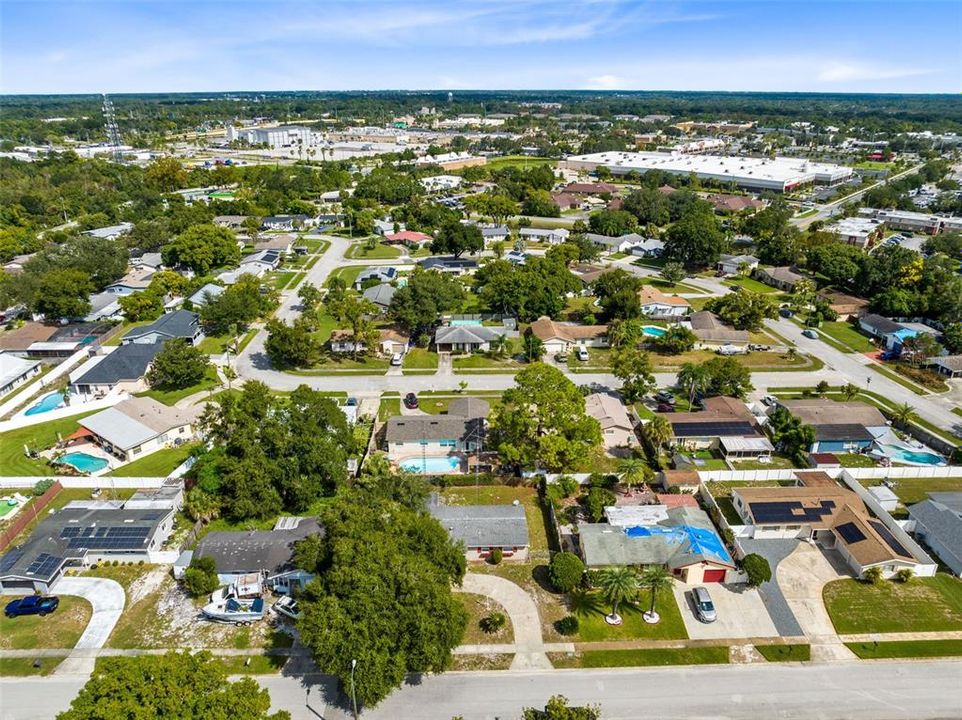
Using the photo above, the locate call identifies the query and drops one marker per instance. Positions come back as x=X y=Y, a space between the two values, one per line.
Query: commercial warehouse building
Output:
x=776 y=174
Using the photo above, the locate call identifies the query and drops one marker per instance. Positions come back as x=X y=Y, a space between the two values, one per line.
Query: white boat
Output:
x=235 y=610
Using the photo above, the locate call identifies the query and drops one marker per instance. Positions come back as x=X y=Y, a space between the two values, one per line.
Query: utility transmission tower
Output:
x=113 y=132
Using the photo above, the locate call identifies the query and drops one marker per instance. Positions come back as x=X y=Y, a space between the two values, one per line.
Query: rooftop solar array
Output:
x=44 y=565
x=889 y=538
x=10 y=559
x=790 y=511
x=106 y=538
x=720 y=428
x=850 y=532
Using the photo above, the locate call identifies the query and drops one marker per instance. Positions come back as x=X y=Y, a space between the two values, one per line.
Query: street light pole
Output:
x=353 y=694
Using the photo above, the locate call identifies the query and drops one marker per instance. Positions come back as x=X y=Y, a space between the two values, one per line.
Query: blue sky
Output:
x=205 y=45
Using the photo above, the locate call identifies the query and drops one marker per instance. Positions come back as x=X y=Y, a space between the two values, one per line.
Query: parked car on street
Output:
x=704 y=607
x=31 y=605
x=665 y=397
x=665 y=408
x=411 y=401
x=810 y=334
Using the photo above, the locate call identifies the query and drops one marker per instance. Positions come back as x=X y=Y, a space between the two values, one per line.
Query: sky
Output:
x=91 y=46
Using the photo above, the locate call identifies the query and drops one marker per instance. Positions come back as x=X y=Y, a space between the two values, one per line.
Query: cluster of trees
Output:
x=268 y=453
x=428 y=293
x=456 y=238
x=237 y=307
x=541 y=422
x=790 y=435
x=527 y=291
x=178 y=365
x=716 y=377
x=202 y=248
x=382 y=594
x=617 y=293
x=696 y=238
x=745 y=309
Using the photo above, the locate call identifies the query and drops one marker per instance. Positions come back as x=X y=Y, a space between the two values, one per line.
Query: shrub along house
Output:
x=482 y=528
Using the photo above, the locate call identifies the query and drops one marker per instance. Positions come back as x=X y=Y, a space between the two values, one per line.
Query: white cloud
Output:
x=841 y=71
x=606 y=82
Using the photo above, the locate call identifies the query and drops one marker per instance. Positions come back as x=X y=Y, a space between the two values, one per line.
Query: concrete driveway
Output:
x=107 y=599
x=741 y=613
x=801 y=577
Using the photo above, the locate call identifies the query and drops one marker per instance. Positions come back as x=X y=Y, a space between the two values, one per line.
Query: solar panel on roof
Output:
x=889 y=538
x=44 y=565
x=789 y=511
x=850 y=532
x=721 y=428
x=9 y=560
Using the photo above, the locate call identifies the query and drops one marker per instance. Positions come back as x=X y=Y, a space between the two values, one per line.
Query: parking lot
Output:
x=741 y=613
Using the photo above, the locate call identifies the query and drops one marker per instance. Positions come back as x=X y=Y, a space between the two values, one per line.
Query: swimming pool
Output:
x=84 y=462
x=915 y=457
x=653 y=330
x=47 y=403
x=432 y=465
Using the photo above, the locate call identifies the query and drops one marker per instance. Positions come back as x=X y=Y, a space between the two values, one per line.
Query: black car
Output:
x=411 y=401
x=665 y=408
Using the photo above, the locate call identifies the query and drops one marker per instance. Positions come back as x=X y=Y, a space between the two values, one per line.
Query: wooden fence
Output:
x=27 y=515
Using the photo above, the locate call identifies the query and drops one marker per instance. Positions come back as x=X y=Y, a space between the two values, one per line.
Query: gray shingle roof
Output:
x=880 y=323
x=484 y=525
x=380 y=294
x=256 y=551
x=469 y=407
x=944 y=525
x=415 y=428
x=128 y=362
x=136 y=420
x=180 y=323
x=450 y=334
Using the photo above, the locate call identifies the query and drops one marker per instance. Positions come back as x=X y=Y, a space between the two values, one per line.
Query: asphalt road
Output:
x=845 y=691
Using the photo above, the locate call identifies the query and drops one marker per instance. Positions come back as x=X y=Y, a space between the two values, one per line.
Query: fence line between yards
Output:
x=69 y=481
x=28 y=515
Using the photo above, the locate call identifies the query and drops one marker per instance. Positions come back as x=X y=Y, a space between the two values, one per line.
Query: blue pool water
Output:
x=918 y=457
x=84 y=462
x=47 y=403
x=432 y=465
x=653 y=330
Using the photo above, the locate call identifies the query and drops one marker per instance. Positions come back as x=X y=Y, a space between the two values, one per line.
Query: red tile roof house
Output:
x=590 y=188
x=409 y=238
x=565 y=201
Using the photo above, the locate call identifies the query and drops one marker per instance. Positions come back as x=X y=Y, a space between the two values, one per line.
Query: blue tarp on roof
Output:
x=700 y=541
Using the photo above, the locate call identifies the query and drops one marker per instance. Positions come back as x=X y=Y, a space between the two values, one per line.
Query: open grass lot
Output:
x=591 y=608
x=478 y=607
x=846 y=334
x=252 y=664
x=785 y=653
x=23 y=667
x=638 y=658
x=170 y=397
x=119 y=333
x=332 y=363
x=379 y=252
x=420 y=359
x=753 y=360
x=486 y=362
x=519 y=161
x=388 y=408
x=599 y=359
x=505 y=495
x=37 y=437
x=157 y=464
x=922 y=605
x=874 y=165
x=913 y=490
x=348 y=273
x=60 y=629
x=672 y=288
x=282 y=278
x=906 y=649
x=750 y=284
x=215 y=344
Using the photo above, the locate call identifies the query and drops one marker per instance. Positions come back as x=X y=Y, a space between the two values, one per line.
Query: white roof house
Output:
x=15 y=371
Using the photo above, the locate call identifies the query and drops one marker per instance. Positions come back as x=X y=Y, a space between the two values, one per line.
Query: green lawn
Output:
x=906 y=649
x=485 y=361
x=519 y=161
x=913 y=490
x=37 y=437
x=854 y=460
x=750 y=284
x=591 y=611
x=157 y=464
x=420 y=359
x=125 y=328
x=727 y=508
x=380 y=252
x=336 y=362
x=505 y=495
x=169 y=397
x=23 y=667
x=776 y=463
x=252 y=664
x=599 y=359
x=895 y=377
x=637 y=658
x=785 y=653
x=282 y=278
x=874 y=165
x=388 y=408
x=921 y=605
x=846 y=334
x=215 y=344
x=669 y=288
x=61 y=629
x=349 y=273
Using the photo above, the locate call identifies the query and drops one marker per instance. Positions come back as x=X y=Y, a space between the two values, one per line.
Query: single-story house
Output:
x=647 y=248
x=611 y=244
x=892 y=334
x=136 y=280
x=494 y=233
x=735 y=264
x=123 y=368
x=835 y=518
x=111 y=232
x=681 y=538
x=104 y=306
x=656 y=304
x=562 y=337
x=254 y=269
x=687 y=481
x=282 y=243
x=410 y=238
x=453 y=265
x=617 y=429
x=465 y=338
x=482 y=528
x=382 y=274
x=285 y=222
x=380 y=295
x=516 y=257
x=844 y=305
x=417 y=436
x=588 y=273
x=15 y=371
x=551 y=236
x=469 y=407
x=208 y=292
x=390 y=341
x=270 y=258
x=231 y=222
x=725 y=424
x=950 y=365
x=598 y=188
x=937 y=522
x=712 y=332
x=783 y=278
x=84 y=533
x=151 y=260
x=724 y=203
x=138 y=426
x=565 y=201
x=178 y=324
x=384 y=227
x=839 y=426
x=268 y=553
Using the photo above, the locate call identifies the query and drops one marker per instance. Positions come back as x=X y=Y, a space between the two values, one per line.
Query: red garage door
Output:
x=714 y=576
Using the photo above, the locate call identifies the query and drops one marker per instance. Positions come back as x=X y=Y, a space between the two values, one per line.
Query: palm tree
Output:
x=657 y=431
x=617 y=585
x=655 y=579
x=850 y=391
x=903 y=414
x=693 y=378
x=633 y=471
x=499 y=346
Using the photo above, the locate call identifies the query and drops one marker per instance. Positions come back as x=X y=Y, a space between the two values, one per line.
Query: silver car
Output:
x=704 y=607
